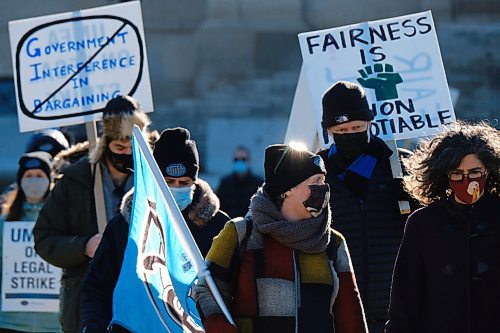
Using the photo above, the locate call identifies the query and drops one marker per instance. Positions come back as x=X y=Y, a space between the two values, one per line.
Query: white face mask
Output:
x=183 y=196
x=34 y=187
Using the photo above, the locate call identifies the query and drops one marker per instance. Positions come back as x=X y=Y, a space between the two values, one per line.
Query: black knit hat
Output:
x=286 y=167
x=176 y=154
x=344 y=102
x=35 y=160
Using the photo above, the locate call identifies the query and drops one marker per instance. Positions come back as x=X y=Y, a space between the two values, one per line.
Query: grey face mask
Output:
x=34 y=187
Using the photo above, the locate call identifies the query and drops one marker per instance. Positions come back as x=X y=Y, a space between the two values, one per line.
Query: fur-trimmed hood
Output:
x=118 y=127
x=205 y=204
x=69 y=156
x=203 y=208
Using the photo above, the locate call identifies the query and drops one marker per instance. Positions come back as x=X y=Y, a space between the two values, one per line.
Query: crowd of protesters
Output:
x=319 y=245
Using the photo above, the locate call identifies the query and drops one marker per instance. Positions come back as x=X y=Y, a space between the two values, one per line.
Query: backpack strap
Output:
x=244 y=226
x=332 y=253
x=332 y=249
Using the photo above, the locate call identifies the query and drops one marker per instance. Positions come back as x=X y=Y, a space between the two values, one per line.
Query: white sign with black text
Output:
x=29 y=284
x=396 y=60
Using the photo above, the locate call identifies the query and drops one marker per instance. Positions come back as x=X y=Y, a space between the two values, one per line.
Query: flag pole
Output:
x=181 y=229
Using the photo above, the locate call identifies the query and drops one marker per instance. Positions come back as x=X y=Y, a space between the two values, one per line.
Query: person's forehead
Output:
x=181 y=179
x=313 y=178
x=122 y=142
x=240 y=153
x=349 y=124
x=33 y=172
x=470 y=161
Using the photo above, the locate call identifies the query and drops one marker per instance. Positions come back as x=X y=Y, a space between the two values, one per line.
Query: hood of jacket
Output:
x=71 y=155
x=203 y=208
x=80 y=172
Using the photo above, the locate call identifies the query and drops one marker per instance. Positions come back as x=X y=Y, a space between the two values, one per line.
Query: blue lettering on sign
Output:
x=79 y=82
x=73 y=45
x=21 y=235
x=44 y=48
x=37 y=75
x=36 y=52
x=69 y=69
x=68 y=103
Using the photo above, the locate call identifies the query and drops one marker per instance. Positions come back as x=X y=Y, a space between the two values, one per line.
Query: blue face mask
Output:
x=240 y=167
x=183 y=196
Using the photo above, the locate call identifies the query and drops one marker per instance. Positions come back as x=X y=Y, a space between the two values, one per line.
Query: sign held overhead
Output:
x=398 y=63
x=68 y=66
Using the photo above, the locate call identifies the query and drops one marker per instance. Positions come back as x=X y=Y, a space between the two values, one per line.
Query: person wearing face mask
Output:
x=66 y=233
x=447 y=274
x=236 y=188
x=51 y=141
x=177 y=158
x=283 y=268
x=34 y=181
x=364 y=195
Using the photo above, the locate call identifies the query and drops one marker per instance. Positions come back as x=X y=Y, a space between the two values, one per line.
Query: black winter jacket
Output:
x=64 y=225
x=373 y=227
x=204 y=219
x=235 y=193
x=447 y=274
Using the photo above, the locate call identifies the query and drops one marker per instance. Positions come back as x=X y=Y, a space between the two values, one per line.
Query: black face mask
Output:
x=351 y=145
x=122 y=162
x=318 y=200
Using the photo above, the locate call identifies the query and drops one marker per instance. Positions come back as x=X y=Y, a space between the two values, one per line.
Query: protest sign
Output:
x=29 y=284
x=397 y=61
x=68 y=66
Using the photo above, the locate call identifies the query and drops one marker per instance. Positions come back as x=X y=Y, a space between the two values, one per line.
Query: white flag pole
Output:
x=181 y=229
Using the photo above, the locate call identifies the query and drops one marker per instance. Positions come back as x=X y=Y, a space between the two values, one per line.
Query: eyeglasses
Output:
x=281 y=159
x=456 y=176
x=236 y=159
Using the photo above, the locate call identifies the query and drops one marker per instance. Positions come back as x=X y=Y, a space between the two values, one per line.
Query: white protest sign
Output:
x=397 y=61
x=68 y=66
x=29 y=284
x=301 y=126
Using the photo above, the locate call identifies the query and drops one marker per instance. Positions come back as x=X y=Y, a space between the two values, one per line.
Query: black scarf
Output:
x=356 y=175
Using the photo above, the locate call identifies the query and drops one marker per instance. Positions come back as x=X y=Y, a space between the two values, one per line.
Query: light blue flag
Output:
x=153 y=293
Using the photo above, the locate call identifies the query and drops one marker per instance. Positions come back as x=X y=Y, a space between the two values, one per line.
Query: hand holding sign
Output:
x=92 y=245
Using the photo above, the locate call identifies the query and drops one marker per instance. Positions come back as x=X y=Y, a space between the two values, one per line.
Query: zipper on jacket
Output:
x=366 y=275
x=297 y=291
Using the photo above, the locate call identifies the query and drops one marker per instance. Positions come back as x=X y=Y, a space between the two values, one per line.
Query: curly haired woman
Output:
x=447 y=274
